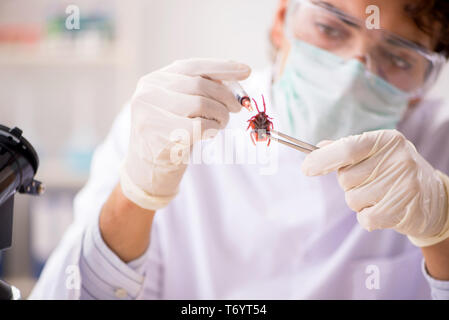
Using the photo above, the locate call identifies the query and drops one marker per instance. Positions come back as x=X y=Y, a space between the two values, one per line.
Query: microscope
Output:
x=18 y=166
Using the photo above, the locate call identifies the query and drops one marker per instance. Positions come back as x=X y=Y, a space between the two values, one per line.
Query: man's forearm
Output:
x=437 y=260
x=125 y=227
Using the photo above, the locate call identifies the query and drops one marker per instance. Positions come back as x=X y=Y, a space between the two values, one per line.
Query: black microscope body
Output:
x=18 y=166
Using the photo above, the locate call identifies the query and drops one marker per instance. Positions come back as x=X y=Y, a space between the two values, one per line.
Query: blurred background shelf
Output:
x=29 y=56
x=63 y=88
x=56 y=174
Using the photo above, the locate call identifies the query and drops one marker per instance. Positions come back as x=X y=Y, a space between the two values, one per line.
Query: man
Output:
x=148 y=226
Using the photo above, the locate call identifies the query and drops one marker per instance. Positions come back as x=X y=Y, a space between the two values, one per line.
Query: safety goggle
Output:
x=404 y=64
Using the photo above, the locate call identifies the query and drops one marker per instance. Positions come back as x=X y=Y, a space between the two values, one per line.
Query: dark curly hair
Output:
x=432 y=17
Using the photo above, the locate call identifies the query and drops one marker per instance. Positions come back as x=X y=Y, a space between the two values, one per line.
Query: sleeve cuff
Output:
x=104 y=275
x=439 y=288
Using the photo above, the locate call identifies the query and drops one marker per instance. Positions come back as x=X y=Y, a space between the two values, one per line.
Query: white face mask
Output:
x=320 y=96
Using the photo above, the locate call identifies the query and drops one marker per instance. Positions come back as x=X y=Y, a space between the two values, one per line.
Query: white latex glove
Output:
x=387 y=183
x=176 y=98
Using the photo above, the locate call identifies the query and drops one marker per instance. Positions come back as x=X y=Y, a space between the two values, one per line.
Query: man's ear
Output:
x=277 y=30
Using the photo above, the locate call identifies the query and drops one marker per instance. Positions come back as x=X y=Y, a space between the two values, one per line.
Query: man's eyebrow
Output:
x=344 y=17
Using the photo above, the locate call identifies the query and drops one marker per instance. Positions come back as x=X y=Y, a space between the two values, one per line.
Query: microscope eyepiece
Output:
x=18 y=165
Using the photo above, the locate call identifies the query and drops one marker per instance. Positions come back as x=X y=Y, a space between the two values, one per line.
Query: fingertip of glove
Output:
x=324 y=143
x=242 y=71
x=365 y=219
x=245 y=68
x=307 y=167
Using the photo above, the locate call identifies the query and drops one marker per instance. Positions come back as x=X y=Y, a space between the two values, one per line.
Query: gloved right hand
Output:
x=172 y=100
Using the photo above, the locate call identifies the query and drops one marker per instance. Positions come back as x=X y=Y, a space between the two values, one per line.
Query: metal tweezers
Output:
x=292 y=142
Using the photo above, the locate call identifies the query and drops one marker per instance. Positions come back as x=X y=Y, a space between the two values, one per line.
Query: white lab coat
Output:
x=234 y=233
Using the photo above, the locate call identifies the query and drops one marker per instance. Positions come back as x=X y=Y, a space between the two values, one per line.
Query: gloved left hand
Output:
x=388 y=183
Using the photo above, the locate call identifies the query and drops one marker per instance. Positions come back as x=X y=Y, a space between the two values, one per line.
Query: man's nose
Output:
x=363 y=58
x=361 y=51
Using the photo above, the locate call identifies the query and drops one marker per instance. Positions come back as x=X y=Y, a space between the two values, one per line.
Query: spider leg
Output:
x=257 y=107
x=264 y=105
x=251 y=125
x=252 y=137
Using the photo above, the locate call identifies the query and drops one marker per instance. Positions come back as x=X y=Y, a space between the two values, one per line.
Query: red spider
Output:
x=260 y=125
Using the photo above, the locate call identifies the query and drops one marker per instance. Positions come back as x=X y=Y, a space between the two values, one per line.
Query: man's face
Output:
x=393 y=17
x=402 y=67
